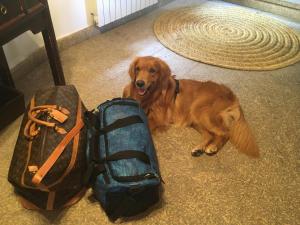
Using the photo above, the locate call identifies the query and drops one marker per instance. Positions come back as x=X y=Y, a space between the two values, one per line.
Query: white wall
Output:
x=68 y=16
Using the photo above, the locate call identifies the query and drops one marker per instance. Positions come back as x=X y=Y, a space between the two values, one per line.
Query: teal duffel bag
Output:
x=123 y=166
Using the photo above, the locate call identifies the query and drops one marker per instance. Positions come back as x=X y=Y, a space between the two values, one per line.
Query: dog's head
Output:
x=149 y=74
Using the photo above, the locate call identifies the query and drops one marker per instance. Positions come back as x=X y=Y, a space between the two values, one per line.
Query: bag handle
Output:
x=58 y=113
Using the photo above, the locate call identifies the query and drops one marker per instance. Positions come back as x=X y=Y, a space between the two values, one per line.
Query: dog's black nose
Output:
x=140 y=83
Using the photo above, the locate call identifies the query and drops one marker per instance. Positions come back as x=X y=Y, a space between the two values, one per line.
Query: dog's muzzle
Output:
x=141 y=87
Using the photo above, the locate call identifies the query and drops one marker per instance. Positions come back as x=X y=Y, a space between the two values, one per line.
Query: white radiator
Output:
x=110 y=11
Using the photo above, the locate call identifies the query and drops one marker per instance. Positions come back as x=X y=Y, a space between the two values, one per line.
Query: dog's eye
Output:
x=137 y=69
x=152 y=70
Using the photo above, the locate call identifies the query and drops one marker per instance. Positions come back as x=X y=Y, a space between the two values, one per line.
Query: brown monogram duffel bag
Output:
x=49 y=161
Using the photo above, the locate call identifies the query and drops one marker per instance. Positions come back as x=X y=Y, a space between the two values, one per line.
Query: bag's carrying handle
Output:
x=54 y=111
x=58 y=113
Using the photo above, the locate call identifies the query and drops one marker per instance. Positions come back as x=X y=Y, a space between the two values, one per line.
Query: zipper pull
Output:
x=153 y=175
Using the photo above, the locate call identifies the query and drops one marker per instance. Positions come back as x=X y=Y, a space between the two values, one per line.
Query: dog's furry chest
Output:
x=164 y=116
x=159 y=114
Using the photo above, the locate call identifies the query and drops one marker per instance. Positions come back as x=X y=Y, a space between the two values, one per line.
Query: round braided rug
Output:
x=228 y=36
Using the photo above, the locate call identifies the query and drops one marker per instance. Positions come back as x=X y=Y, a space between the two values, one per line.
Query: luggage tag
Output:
x=58 y=116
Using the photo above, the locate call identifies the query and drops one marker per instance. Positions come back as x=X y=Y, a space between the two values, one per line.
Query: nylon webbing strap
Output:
x=95 y=168
x=176 y=89
x=129 y=154
x=92 y=122
x=177 y=86
x=122 y=123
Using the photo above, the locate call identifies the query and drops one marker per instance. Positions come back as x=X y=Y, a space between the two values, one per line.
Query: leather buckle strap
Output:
x=42 y=172
x=176 y=88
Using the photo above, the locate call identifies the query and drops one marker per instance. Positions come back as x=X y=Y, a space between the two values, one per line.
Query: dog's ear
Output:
x=165 y=70
x=165 y=81
x=165 y=74
x=131 y=70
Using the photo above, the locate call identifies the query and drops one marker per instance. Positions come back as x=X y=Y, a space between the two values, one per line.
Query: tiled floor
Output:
x=228 y=188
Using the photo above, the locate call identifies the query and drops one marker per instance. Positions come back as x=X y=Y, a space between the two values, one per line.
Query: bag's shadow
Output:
x=160 y=204
x=54 y=216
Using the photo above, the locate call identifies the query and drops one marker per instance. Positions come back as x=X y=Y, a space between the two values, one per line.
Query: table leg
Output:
x=5 y=75
x=52 y=51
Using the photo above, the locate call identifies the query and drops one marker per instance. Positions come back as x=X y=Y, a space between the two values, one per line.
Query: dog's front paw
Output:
x=211 y=149
x=197 y=152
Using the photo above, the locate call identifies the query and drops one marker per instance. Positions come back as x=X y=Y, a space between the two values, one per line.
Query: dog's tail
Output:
x=240 y=133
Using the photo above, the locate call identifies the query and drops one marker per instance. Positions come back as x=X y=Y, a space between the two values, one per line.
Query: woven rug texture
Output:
x=228 y=36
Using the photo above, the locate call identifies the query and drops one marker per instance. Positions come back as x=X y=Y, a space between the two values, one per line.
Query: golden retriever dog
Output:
x=210 y=108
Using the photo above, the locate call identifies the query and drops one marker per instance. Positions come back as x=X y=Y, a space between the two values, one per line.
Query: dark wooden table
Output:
x=19 y=16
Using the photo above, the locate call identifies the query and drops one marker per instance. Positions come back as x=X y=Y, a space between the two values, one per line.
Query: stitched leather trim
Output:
x=32 y=103
x=27 y=204
x=75 y=198
x=50 y=201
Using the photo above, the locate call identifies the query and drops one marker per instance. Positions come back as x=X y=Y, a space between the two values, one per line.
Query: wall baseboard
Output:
x=280 y=8
x=164 y=2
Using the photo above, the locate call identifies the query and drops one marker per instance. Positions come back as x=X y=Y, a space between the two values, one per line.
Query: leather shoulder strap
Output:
x=42 y=172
